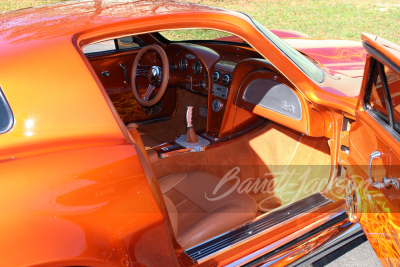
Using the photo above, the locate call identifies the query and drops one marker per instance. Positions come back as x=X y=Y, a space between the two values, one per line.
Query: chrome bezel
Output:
x=216 y=79
x=183 y=64
x=228 y=77
x=197 y=67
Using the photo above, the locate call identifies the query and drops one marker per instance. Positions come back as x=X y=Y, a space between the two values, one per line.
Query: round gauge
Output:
x=216 y=105
x=202 y=84
x=197 y=68
x=226 y=79
x=183 y=64
x=174 y=67
x=216 y=76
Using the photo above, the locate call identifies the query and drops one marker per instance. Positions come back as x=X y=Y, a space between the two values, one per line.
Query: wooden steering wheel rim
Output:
x=164 y=83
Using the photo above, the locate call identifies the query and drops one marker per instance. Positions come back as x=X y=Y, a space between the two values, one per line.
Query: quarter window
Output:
x=383 y=98
x=377 y=99
x=123 y=43
x=6 y=116
x=393 y=81
x=100 y=47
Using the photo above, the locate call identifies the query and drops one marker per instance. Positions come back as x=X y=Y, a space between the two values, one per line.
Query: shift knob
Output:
x=191 y=136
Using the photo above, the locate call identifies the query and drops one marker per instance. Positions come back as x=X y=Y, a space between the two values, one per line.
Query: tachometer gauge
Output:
x=197 y=67
x=183 y=64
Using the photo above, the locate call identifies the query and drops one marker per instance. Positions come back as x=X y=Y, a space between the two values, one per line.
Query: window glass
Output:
x=109 y=45
x=100 y=47
x=193 y=34
x=312 y=70
x=6 y=117
x=393 y=80
x=377 y=97
x=127 y=43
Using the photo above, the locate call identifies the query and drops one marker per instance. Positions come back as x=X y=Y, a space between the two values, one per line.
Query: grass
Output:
x=340 y=19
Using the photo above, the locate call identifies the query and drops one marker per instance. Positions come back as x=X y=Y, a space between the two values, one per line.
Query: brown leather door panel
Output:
x=112 y=75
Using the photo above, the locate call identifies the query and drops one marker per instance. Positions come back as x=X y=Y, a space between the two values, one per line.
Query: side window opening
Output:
x=393 y=81
x=376 y=101
x=124 y=43
x=100 y=47
x=6 y=116
x=383 y=96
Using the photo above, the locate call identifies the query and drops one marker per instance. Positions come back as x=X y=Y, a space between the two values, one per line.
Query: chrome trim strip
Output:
x=256 y=228
x=349 y=235
x=259 y=253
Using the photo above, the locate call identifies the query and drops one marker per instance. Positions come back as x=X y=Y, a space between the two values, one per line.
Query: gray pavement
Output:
x=358 y=253
x=362 y=255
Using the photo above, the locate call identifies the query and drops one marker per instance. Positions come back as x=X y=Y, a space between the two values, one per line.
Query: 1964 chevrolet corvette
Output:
x=127 y=138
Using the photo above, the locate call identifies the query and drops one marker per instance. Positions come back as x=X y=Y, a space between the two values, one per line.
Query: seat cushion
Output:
x=149 y=141
x=202 y=213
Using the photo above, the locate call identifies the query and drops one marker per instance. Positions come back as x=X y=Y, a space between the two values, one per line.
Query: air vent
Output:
x=216 y=76
x=226 y=79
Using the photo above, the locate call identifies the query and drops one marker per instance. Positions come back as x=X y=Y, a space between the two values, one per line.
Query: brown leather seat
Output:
x=194 y=213
x=148 y=140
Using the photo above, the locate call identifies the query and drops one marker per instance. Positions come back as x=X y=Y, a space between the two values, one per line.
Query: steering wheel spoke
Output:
x=143 y=70
x=149 y=91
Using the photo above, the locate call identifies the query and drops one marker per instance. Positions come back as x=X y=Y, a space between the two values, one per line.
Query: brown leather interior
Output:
x=191 y=136
x=146 y=139
x=168 y=130
x=152 y=154
x=149 y=141
x=271 y=154
x=173 y=214
x=199 y=218
x=270 y=167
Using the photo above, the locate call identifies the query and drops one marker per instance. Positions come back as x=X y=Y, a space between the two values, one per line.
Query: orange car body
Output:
x=75 y=187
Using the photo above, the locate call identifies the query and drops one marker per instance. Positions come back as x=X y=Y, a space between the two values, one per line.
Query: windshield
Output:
x=313 y=71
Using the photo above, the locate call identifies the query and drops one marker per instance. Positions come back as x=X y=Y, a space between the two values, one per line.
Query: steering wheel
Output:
x=157 y=76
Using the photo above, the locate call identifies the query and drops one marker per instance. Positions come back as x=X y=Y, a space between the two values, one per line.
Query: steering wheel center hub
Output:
x=155 y=75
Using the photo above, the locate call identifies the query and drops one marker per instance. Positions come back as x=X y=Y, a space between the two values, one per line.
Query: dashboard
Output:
x=242 y=89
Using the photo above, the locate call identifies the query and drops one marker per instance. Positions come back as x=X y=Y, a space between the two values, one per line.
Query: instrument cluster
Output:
x=191 y=71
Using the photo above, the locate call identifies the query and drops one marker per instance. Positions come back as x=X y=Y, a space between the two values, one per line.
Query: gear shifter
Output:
x=191 y=136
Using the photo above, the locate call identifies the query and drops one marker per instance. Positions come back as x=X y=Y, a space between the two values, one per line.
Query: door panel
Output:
x=380 y=207
x=112 y=75
x=374 y=156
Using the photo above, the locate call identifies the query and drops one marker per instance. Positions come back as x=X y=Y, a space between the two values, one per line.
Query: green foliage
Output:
x=339 y=19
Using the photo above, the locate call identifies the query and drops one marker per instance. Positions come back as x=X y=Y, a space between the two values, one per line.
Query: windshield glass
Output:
x=313 y=71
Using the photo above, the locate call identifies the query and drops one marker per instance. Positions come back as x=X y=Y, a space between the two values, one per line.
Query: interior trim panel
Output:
x=274 y=96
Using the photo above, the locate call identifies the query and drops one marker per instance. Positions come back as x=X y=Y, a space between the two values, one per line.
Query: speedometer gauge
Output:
x=197 y=67
x=183 y=64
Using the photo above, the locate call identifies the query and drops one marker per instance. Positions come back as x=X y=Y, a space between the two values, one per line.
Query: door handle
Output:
x=122 y=65
x=385 y=181
x=374 y=155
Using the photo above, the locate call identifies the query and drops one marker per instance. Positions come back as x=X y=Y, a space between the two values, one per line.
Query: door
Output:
x=374 y=176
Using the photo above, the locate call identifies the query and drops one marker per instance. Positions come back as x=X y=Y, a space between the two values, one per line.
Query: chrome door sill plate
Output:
x=256 y=227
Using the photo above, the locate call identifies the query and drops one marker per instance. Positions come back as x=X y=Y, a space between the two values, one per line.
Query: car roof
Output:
x=71 y=17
